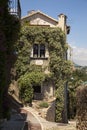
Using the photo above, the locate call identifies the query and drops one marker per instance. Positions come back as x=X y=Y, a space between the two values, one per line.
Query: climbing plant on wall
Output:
x=60 y=69
x=26 y=83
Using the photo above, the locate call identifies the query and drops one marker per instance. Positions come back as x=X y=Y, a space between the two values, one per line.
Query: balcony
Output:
x=15 y=8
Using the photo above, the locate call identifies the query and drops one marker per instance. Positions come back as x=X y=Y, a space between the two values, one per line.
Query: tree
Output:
x=9 y=29
x=79 y=77
x=81 y=117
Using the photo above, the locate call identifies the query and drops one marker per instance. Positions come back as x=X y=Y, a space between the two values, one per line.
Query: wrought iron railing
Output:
x=15 y=8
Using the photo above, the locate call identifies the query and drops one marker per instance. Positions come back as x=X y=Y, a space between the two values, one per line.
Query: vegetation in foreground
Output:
x=9 y=30
x=81 y=108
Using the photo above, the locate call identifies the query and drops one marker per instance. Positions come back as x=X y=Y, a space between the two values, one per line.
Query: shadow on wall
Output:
x=17 y=118
x=50 y=116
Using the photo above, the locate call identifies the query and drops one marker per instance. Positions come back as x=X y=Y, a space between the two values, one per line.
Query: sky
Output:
x=76 y=11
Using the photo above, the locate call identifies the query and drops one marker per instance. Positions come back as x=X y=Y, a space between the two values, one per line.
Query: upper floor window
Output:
x=35 y=50
x=42 y=50
x=39 y=50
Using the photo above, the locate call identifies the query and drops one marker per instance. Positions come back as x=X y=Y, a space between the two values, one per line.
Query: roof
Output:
x=39 y=12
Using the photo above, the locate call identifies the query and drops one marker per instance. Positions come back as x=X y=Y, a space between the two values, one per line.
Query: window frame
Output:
x=40 y=51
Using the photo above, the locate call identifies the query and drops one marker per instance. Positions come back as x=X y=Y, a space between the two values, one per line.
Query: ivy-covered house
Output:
x=42 y=68
x=39 y=55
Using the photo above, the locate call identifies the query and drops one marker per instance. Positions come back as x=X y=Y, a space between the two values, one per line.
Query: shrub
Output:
x=43 y=104
x=82 y=108
x=25 y=89
x=26 y=83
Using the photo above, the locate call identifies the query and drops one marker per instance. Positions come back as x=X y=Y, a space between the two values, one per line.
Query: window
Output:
x=42 y=50
x=39 y=50
x=35 y=50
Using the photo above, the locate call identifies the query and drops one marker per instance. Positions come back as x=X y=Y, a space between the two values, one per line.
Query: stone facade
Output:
x=39 y=18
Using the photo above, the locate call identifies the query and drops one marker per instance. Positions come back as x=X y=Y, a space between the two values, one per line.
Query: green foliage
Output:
x=44 y=104
x=60 y=69
x=59 y=101
x=81 y=97
x=25 y=89
x=79 y=76
x=9 y=32
x=26 y=83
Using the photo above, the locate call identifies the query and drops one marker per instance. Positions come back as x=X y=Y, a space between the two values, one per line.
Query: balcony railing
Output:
x=15 y=8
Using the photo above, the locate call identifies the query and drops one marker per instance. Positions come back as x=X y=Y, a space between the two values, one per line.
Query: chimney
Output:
x=30 y=12
x=62 y=22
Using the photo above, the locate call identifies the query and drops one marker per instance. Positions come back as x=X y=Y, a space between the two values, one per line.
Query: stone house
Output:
x=39 y=52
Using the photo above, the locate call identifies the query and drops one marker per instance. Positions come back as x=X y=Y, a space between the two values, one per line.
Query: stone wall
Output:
x=50 y=116
x=48 y=90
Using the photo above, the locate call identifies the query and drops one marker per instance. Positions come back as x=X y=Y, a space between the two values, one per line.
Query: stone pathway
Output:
x=33 y=122
x=46 y=125
x=60 y=126
x=29 y=119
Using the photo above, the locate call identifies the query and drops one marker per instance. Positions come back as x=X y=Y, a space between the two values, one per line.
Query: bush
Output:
x=82 y=108
x=25 y=89
x=26 y=83
x=43 y=104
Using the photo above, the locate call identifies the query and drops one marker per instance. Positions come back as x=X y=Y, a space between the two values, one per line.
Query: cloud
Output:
x=79 y=55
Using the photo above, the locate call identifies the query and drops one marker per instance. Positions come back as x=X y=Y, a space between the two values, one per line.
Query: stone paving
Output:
x=33 y=122
x=46 y=125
